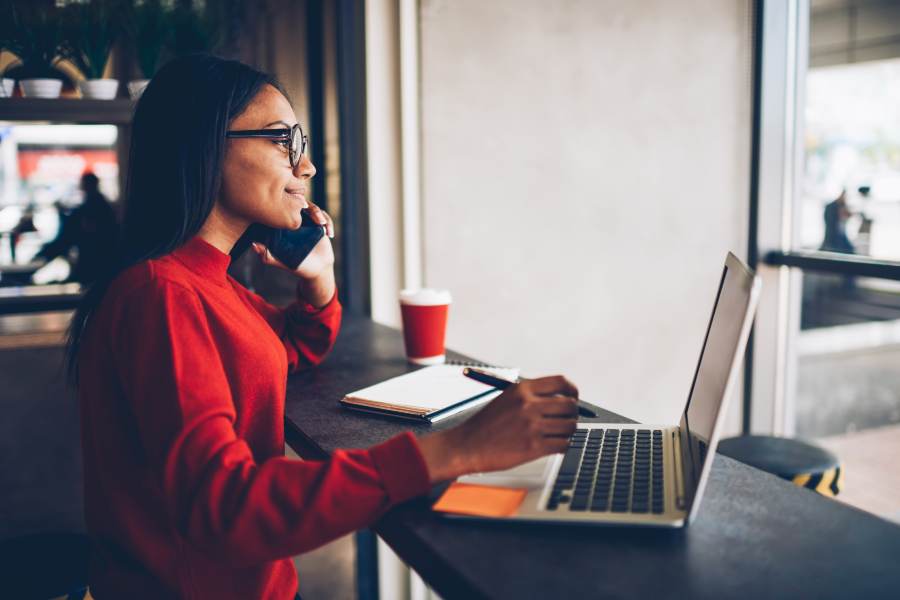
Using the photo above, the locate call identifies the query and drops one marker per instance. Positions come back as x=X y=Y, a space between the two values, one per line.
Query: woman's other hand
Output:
x=531 y=419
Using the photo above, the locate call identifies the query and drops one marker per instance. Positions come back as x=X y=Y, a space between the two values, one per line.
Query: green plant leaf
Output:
x=36 y=38
x=90 y=32
x=149 y=24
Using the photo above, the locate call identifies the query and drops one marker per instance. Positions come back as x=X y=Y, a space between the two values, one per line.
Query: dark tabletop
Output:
x=756 y=536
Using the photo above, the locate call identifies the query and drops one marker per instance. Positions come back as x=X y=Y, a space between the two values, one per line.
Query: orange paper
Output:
x=480 y=500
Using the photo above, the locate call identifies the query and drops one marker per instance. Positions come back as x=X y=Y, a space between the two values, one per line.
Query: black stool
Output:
x=45 y=566
x=806 y=465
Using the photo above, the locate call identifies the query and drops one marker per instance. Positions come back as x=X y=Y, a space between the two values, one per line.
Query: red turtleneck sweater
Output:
x=187 y=491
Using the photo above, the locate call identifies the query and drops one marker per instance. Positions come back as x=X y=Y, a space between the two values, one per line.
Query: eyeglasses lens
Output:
x=296 y=145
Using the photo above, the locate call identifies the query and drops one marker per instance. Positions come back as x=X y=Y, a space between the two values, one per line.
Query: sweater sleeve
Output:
x=214 y=492
x=307 y=332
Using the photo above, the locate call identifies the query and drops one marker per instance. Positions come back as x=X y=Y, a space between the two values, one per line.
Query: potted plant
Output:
x=37 y=39
x=149 y=25
x=7 y=84
x=194 y=29
x=91 y=32
x=206 y=26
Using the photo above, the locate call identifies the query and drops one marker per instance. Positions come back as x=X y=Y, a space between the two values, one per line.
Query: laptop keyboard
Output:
x=611 y=470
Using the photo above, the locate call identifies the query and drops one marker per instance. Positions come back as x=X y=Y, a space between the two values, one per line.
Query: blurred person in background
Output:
x=836 y=215
x=91 y=229
x=25 y=225
x=863 y=239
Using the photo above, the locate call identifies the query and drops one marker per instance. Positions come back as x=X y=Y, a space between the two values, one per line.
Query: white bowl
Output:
x=6 y=87
x=40 y=87
x=101 y=89
x=136 y=88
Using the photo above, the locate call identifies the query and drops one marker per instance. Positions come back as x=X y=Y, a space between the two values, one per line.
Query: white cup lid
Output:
x=425 y=297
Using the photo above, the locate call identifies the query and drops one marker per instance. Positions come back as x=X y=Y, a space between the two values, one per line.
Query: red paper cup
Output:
x=424 y=314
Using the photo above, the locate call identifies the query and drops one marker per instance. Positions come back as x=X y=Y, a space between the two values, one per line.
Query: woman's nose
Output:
x=305 y=168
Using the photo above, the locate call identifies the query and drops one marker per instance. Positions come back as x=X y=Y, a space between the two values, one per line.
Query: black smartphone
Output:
x=290 y=246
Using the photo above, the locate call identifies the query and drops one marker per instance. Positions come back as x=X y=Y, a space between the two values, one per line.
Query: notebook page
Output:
x=426 y=390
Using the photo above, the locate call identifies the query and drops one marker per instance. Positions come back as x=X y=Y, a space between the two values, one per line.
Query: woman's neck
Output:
x=222 y=230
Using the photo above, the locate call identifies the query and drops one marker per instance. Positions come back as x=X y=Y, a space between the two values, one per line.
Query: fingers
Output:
x=559 y=406
x=555 y=444
x=559 y=427
x=264 y=255
x=322 y=218
x=555 y=384
x=317 y=213
x=560 y=417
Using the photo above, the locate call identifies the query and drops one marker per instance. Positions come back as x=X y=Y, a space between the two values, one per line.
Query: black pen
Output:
x=502 y=384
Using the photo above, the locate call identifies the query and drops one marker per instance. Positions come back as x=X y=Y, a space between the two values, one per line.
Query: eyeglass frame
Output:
x=283 y=135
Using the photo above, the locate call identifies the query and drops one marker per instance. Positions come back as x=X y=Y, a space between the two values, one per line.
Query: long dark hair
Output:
x=174 y=165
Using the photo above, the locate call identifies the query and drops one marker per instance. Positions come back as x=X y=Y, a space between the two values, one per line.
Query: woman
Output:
x=182 y=371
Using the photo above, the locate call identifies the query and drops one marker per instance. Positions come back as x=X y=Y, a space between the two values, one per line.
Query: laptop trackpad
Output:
x=531 y=475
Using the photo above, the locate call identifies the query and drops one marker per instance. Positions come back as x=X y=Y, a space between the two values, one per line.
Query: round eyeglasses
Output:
x=293 y=139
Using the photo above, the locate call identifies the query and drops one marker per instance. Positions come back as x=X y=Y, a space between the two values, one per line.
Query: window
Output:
x=829 y=234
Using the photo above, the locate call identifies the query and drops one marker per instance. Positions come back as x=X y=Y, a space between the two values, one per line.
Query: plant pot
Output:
x=136 y=88
x=40 y=87
x=101 y=89
x=7 y=86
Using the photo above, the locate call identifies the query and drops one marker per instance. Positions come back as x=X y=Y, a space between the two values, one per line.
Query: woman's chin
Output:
x=290 y=220
x=294 y=218
x=286 y=222
x=295 y=222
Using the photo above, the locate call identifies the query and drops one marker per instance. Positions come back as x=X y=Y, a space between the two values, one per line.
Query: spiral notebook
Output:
x=429 y=394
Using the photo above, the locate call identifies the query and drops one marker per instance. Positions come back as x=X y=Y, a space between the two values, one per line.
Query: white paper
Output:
x=429 y=388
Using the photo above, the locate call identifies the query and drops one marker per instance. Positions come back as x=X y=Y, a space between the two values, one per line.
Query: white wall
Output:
x=585 y=169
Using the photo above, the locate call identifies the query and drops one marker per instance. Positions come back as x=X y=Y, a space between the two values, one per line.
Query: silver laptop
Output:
x=646 y=474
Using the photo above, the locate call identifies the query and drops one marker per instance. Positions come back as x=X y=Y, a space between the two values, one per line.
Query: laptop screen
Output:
x=723 y=341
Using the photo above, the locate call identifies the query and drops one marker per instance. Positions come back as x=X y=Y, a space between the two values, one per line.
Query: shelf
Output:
x=67 y=110
x=39 y=298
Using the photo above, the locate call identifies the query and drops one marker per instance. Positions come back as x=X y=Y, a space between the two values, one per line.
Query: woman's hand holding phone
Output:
x=316 y=271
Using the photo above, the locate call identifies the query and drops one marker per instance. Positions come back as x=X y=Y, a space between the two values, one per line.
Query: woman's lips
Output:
x=299 y=195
